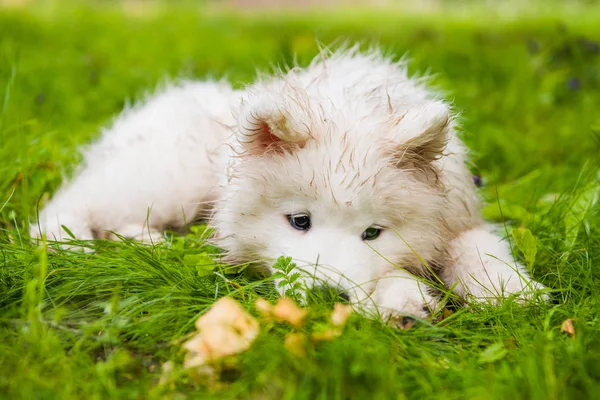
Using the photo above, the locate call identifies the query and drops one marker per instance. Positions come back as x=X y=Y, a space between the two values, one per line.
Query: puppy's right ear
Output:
x=421 y=134
x=268 y=126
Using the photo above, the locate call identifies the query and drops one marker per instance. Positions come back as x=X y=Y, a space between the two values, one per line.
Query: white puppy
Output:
x=349 y=166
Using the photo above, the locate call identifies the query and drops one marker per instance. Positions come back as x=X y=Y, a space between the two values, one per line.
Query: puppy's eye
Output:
x=299 y=221
x=371 y=233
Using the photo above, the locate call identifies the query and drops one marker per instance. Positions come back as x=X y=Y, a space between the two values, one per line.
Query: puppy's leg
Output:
x=159 y=164
x=399 y=294
x=52 y=224
x=142 y=233
x=483 y=269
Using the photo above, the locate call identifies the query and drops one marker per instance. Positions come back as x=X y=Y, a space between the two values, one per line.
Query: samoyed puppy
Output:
x=349 y=166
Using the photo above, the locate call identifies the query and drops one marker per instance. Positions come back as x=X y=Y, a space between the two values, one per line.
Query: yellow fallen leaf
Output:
x=229 y=312
x=264 y=307
x=447 y=313
x=226 y=329
x=340 y=314
x=568 y=327
x=287 y=311
x=295 y=343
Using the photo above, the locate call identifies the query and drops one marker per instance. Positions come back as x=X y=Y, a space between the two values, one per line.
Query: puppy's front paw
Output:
x=399 y=299
x=525 y=290
x=62 y=229
x=401 y=309
x=502 y=283
x=482 y=270
x=141 y=233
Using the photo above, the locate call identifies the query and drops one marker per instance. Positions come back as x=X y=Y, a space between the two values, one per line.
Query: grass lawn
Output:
x=101 y=324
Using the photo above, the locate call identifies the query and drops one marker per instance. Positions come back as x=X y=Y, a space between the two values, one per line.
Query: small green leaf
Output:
x=294 y=277
x=282 y=284
x=198 y=229
x=178 y=243
x=204 y=264
x=579 y=212
x=493 y=353
x=526 y=243
x=284 y=264
x=278 y=275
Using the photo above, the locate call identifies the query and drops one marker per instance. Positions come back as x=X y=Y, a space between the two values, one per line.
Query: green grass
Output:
x=75 y=325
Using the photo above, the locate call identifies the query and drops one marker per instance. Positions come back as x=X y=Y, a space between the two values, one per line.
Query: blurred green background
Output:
x=525 y=76
x=512 y=68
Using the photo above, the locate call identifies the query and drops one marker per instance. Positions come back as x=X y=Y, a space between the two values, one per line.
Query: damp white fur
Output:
x=367 y=155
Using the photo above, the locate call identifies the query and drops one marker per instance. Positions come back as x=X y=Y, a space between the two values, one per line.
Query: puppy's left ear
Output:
x=421 y=134
x=271 y=124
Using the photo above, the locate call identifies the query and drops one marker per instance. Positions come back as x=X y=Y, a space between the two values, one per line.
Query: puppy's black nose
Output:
x=327 y=292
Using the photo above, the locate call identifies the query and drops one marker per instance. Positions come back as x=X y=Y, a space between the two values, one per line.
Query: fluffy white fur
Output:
x=350 y=141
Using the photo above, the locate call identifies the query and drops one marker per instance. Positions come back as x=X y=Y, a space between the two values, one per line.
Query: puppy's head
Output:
x=347 y=198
